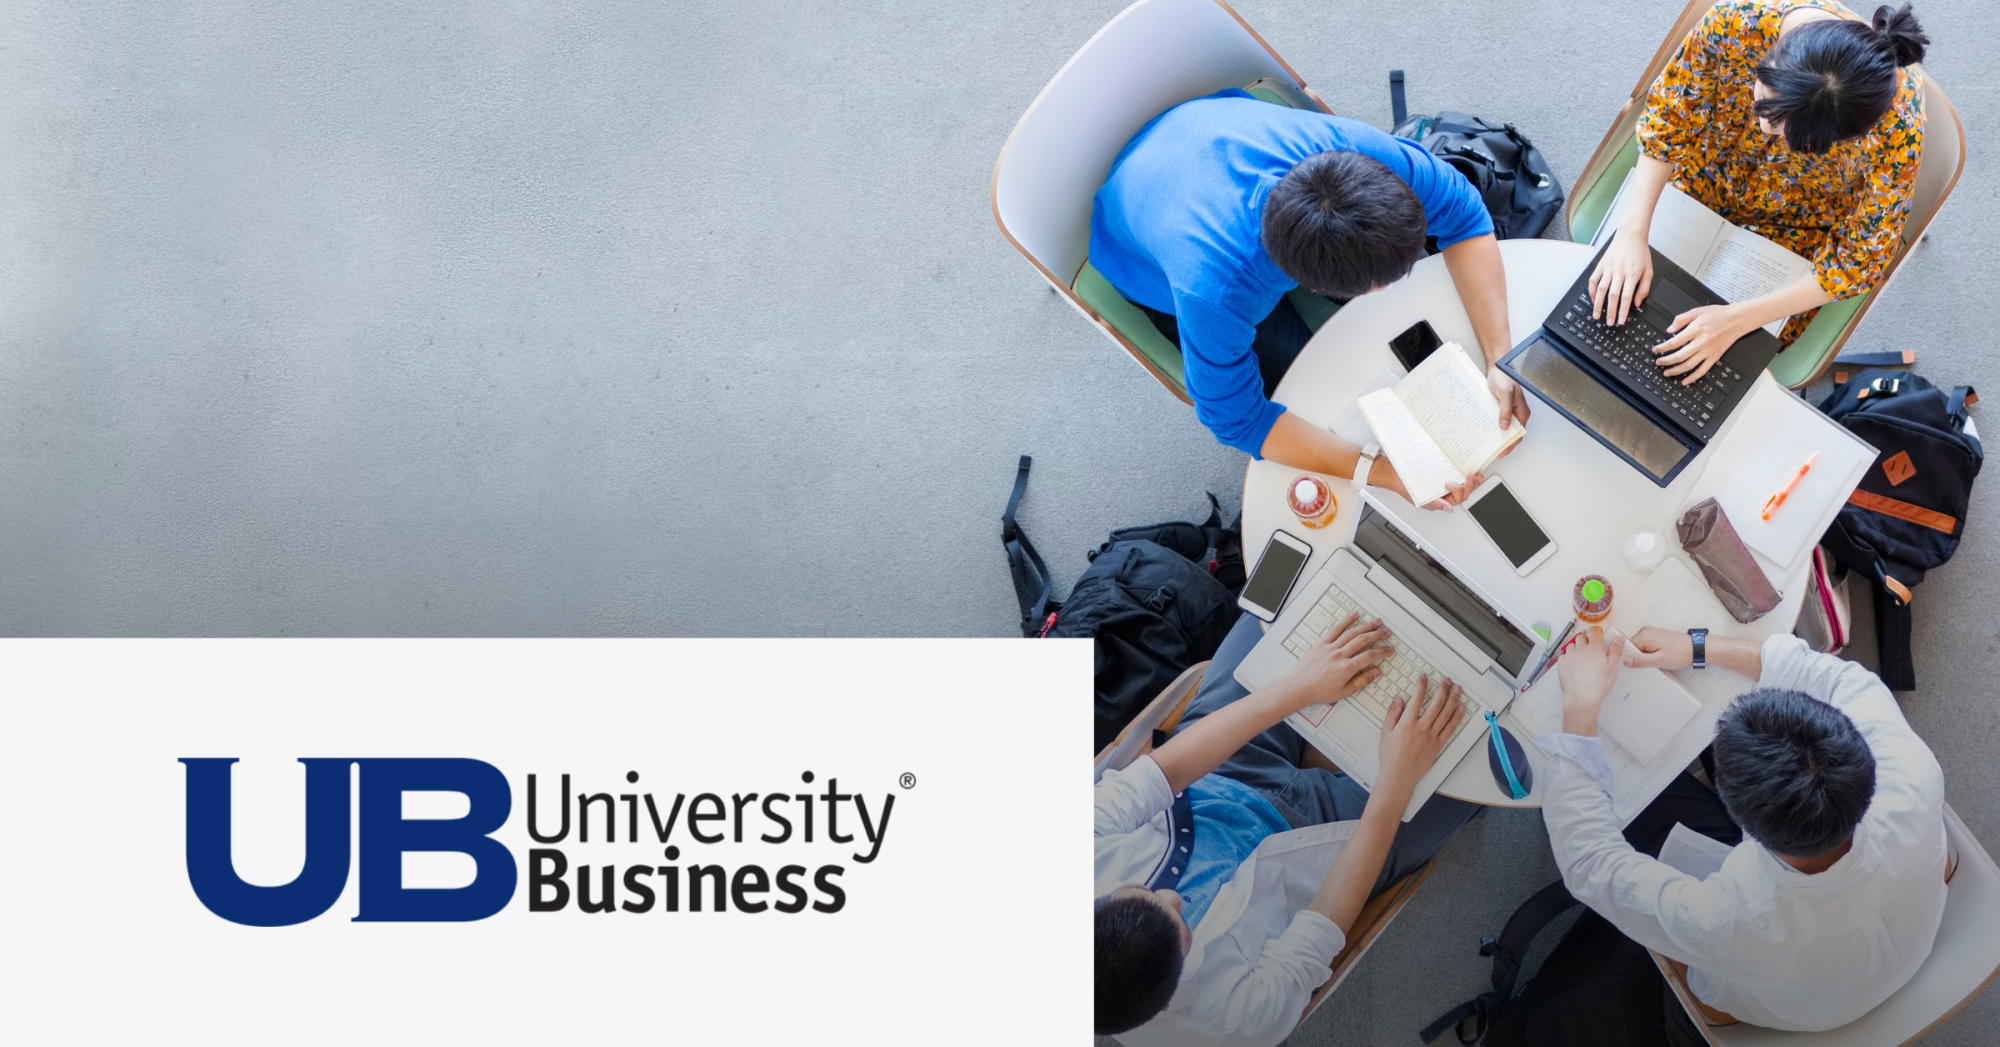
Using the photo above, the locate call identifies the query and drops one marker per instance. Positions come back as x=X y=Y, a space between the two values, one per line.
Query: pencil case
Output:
x=1732 y=573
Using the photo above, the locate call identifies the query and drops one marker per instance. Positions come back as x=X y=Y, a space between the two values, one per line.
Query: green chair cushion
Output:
x=1132 y=322
x=1801 y=360
x=1594 y=200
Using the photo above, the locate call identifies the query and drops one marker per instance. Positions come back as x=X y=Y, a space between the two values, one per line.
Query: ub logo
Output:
x=385 y=835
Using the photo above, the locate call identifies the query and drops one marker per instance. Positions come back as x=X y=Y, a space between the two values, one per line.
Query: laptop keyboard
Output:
x=1700 y=408
x=1399 y=671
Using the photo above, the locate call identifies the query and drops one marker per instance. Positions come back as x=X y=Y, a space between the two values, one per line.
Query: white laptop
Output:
x=1440 y=624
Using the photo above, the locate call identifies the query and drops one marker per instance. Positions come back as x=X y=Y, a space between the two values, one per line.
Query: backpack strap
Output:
x=1955 y=405
x=1507 y=951
x=1032 y=580
x=1398 y=111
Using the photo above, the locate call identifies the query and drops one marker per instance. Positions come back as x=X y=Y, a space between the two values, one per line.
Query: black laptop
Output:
x=1606 y=381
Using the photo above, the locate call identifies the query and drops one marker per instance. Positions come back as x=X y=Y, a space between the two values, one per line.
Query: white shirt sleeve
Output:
x=1651 y=902
x=1265 y=1006
x=1129 y=798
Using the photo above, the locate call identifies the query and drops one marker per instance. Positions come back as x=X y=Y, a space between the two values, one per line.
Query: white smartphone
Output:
x=1277 y=570
x=1507 y=523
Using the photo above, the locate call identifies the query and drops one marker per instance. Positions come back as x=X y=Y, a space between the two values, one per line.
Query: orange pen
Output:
x=1778 y=499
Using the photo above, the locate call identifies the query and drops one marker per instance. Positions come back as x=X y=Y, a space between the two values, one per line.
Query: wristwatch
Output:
x=1366 y=463
x=1700 y=638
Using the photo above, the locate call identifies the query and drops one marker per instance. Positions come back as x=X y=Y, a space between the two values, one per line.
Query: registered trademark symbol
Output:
x=907 y=781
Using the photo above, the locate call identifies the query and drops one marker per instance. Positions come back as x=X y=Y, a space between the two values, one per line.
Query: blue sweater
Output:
x=1178 y=227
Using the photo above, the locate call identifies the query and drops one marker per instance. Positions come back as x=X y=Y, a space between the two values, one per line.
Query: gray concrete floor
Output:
x=605 y=318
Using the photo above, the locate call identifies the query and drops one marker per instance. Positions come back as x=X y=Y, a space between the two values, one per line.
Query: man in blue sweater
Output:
x=1220 y=205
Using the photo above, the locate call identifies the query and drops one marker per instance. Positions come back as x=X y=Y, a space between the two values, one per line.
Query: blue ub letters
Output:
x=385 y=835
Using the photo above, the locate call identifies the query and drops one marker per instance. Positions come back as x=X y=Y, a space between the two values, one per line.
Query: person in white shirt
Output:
x=1228 y=874
x=1832 y=900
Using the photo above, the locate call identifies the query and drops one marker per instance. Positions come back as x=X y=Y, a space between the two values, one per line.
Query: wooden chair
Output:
x=1163 y=713
x=1809 y=357
x=1963 y=960
x=1155 y=55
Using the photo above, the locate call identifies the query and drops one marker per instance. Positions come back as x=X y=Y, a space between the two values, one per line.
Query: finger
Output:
x=1360 y=642
x=1440 y=705
x=1338 y=633
x=1437 y=506
x=1360 y=681
x=1698 y=372
x=1681 y=321
x=1374 y=654
x=1599 y=285
x=1645 y=285
x=1684 y=362
x=1615 y=646
x=1393 y=715
x=1626 y=289
x=1672 y=345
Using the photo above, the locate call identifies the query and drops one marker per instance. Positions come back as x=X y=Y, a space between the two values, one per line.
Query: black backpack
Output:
x=1508 y=172
x=1908 y=513
x=1154 y=599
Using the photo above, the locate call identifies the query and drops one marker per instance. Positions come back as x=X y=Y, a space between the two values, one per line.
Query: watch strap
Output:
x=1700 y=639
x=1365 y=464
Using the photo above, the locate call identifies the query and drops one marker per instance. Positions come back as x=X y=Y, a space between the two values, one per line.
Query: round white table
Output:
x=1583 y=495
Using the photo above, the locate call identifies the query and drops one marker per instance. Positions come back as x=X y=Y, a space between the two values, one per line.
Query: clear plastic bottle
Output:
x=1312 y=501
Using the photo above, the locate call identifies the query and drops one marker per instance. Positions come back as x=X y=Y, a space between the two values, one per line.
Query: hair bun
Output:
x=1898 y=26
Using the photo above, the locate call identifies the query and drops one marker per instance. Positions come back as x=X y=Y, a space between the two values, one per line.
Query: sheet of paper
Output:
x=1772 y=435
x=1692 y=853
x=1674 y=597
x=1645 y=710
x=1744 y=265
x=1418 y=459
x=1449 y=397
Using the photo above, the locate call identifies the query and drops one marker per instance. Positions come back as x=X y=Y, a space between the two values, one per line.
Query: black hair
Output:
x=1832 y=79
x=1792 y=771
x=1341 y=224
x=1138 y=962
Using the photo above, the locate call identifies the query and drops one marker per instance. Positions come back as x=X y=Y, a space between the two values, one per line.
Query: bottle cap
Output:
x=1593 y=590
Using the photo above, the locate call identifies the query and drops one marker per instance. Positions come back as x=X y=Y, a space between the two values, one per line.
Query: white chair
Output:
x=1155 y=55
x=1963 y=960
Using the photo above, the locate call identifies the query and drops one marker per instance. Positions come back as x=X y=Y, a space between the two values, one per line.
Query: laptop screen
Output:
x=1443 y=593
x=1600 y=410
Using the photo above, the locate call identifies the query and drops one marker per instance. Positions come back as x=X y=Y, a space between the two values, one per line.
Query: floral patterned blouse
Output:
x=1843 y=209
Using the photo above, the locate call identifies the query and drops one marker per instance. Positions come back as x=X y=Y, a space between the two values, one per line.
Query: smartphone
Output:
x=1506 y=521
x=1277 y=570
x=1415 y=345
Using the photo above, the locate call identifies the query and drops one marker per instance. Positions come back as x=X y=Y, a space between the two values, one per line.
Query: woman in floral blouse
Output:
x=1797 y=121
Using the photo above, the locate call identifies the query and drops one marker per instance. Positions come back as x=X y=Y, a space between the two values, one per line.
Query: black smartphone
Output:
x=1415 y=345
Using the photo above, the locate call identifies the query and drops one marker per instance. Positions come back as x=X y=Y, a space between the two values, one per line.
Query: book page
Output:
x=1451 y=400
x=1744 y=265
x=1681 y=228
x=1418 y=459
x=1685 y=231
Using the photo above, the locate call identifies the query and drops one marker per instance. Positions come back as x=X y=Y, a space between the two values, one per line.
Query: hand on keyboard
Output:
x=1700 y=337
x=1412 y=739
x=1339 y=665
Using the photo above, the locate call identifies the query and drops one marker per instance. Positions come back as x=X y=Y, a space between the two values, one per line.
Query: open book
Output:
x=1730 y=260
x=1439 y=423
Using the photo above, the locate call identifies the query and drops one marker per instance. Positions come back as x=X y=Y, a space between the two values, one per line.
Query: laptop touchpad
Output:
x=1668 y=301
